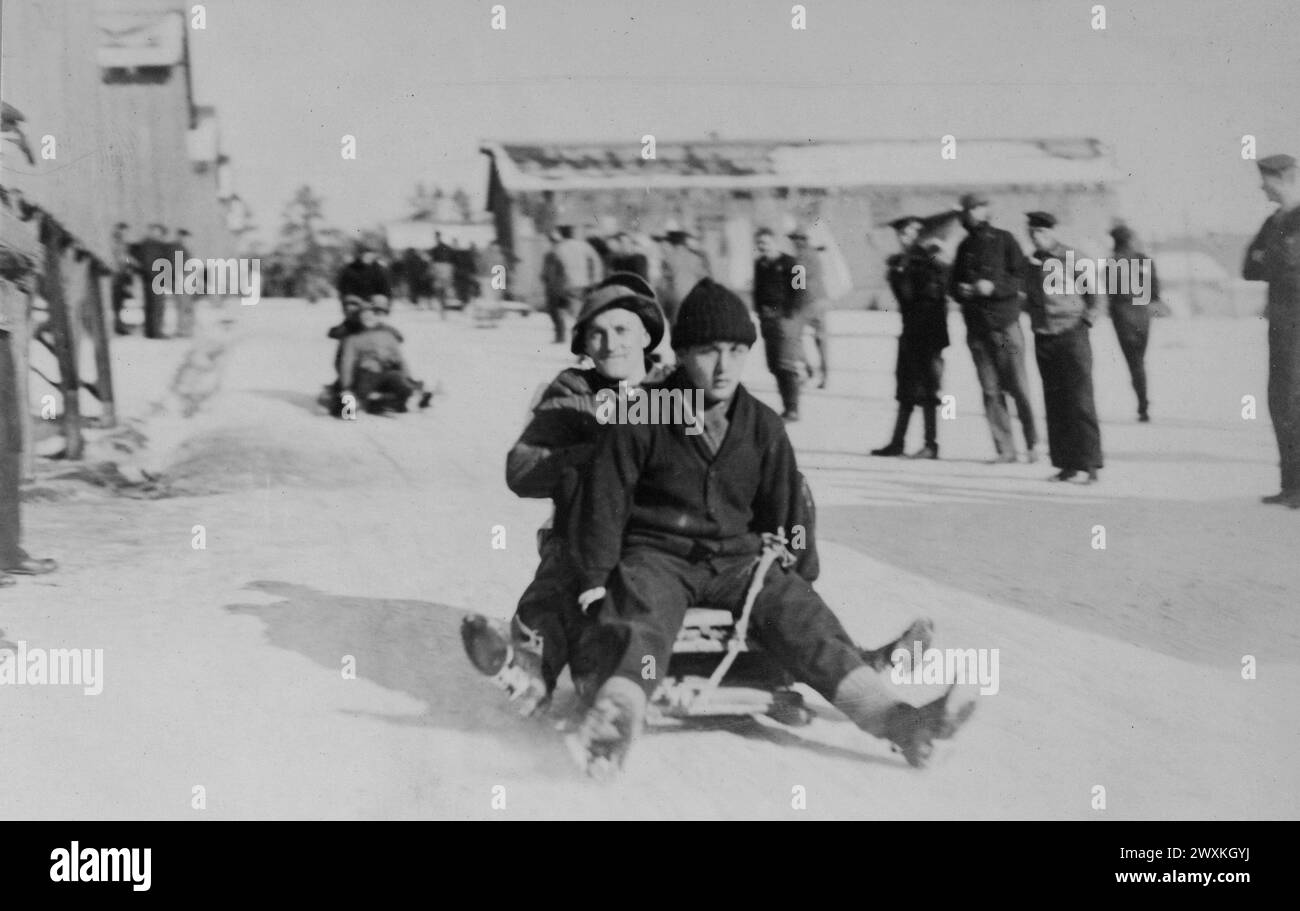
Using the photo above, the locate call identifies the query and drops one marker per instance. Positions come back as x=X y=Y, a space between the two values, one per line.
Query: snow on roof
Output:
x=740 y=165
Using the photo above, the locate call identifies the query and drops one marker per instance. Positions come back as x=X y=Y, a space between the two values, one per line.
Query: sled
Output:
x=716 y=672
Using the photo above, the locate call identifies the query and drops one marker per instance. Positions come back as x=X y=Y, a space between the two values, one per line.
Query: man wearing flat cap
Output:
x=681 y=269
x=1274 y=257
x=1061 y=316
x=363 y=277
x=779 y=305
x=1132 y=317
x=619 y=325
x=986 y=277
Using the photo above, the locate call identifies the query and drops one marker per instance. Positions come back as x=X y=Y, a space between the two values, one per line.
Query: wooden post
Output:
x=100 y=330
x=65 y=338
x=22 y=339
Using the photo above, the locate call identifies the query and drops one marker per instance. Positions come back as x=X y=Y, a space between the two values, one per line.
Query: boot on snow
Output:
x=912 y=730
x=601 y=742
x=881 y=659
x=512 y=658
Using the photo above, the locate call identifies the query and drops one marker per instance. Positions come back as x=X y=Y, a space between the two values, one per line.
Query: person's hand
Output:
x=984 y=287
x=965 y=289
x=590 y=597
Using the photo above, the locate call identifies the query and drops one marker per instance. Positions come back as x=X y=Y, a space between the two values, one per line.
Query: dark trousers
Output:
x=783 y=348
x=390 y=383
x=999 y=357
x=649 y=593
x=817 y=322
x=121 y=288
x=918 y=372
x=11 y=554
x=155 y=309
x=1284 y=394
x=1073 y=434
x=1133 y=329
x=549 y=608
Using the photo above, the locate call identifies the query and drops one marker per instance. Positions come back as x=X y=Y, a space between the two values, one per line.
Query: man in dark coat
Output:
x=364 y=277
x=623 y=257
x=665 y=519
x=147 y=252
x=1131 y=315
x=124 y=271
x=986 y=278
x=919 y=280
x=779 y=304
x=1274 y=257
x=1061 y=313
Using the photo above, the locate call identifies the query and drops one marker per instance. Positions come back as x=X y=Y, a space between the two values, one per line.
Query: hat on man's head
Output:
x=903 y=221
x=971 y=200
x=625 y=290
x=1041 y=219
x=1276 y=165
x=712 y=313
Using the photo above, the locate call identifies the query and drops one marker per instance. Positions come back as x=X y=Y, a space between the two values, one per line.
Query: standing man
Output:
x=777 y=303
x=184 y=302
x=814 y=312
x=364 y=277
x=14 y=561
x=919 y=280
x=124 y=271
x=624 y=257
x=1061 y=317
x=1132 y=318
x=1274 y=257
x=582 y=269
x=153 y=248
x=682 y=268
x=553 y=285
x=444 y=271
x=986 y=277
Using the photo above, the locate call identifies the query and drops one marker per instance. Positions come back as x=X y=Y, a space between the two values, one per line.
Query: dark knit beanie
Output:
x=711 y=313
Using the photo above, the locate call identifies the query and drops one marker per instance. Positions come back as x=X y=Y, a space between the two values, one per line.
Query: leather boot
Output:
x=895 y=445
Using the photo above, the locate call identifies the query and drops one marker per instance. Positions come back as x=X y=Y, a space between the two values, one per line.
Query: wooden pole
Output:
x=100 y=330
x=65 y=339
x=22 y=339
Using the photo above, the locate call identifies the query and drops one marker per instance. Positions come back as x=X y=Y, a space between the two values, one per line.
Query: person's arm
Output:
x=956 y=277
x=560 y=435
x=1256 y=267
x=603 y=502
x=1091 y=299
x=1153 y=280
x=777 y=501
x=1010 y=281
x=348 y=365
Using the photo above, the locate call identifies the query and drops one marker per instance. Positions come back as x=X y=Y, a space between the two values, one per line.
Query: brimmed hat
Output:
x=1276 y=164
x=971 y=200
x=1041 y=219
x=712 y=313
x=627 y=291
x=903 y=221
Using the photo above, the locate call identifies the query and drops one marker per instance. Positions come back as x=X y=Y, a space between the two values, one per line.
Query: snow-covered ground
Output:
x=367 y=541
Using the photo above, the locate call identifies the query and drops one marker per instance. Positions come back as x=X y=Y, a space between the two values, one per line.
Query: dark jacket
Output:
x=375 y=350
x=653 y=484
x=919 y=281
x=993 y=254
x=1053 y=312
x=1274 y=257
x=774 y=294
x=364 y=280
x=630 y=262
